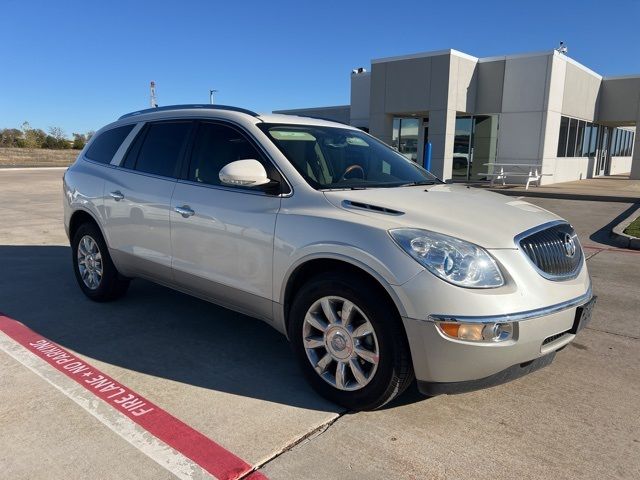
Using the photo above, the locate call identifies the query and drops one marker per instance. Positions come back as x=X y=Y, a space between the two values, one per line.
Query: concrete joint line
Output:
x=586 y=259
x=311 y=435
x=613 y=333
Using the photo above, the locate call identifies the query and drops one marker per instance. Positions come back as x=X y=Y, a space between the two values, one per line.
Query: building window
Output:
x=615 y=149
x=593 y=139
x=404 y=137
x=562 y=139
x=579 y=138
x=573 y=133
x=629 y=144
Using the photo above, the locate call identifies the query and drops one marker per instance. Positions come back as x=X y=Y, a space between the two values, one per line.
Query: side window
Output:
x=105 y=146
x=160 y=150
x=215 y=146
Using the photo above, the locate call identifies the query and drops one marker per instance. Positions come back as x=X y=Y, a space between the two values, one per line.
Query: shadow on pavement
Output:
x=604 y=234
x=153 y=330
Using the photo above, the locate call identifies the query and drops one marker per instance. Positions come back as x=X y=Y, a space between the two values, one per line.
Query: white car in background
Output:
x=375 y=269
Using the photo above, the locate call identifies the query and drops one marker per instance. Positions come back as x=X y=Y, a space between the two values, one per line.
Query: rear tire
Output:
x=361 y=360
x=95 y=272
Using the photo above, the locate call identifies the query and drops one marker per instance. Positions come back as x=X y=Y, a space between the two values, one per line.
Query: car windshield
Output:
x=339 y=158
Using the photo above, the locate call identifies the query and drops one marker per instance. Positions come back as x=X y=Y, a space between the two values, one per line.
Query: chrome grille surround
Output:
x=547 y=247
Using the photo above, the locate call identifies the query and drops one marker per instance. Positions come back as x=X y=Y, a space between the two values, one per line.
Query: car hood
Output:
x=487 y=219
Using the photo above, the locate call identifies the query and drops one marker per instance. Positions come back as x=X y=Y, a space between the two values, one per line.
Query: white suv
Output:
x=375 y=269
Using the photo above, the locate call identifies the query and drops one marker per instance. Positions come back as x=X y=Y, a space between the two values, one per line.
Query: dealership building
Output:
x=466 y=118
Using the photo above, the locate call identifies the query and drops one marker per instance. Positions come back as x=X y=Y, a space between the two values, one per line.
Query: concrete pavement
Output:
x=233 y=378
x=614 y=188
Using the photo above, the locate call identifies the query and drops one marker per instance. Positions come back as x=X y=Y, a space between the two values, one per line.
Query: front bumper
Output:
x=446 y=365
x=432 y=389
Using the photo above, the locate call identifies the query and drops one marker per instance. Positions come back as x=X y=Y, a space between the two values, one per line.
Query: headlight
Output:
x=454 y=260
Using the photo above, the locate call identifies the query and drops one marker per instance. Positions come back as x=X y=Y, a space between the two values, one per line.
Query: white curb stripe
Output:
x=152 y=447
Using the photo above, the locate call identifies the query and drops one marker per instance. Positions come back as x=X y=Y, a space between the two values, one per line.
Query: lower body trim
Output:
x=432 y=389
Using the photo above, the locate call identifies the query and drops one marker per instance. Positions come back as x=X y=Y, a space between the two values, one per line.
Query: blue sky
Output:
x=79 y=64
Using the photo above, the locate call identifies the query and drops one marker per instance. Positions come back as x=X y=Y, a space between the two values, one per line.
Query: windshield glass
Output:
x=334 y=158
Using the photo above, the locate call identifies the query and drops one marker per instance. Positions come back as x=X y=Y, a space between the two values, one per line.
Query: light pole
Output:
x=211 y=92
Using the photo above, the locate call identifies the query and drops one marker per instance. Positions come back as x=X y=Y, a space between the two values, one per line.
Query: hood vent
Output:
x=370 y=208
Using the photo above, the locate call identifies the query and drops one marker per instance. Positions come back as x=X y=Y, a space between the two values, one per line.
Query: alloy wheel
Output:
x=90 y=262
x=341 y=343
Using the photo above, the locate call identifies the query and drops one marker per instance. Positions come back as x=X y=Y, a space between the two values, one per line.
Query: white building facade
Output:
x=462 y=116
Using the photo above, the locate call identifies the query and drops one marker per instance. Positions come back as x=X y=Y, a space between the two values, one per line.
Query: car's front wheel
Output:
x=349 y=341
x=95 y=272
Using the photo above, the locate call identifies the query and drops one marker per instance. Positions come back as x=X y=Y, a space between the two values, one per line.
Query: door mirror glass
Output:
x=244 y=173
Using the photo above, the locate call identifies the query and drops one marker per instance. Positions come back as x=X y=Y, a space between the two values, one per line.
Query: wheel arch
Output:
x=308 y=267
x=79 y=217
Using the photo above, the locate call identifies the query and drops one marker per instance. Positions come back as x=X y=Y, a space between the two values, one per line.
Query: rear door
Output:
x=222 y=237
x=138 y=196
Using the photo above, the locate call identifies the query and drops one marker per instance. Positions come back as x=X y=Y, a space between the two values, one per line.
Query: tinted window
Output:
x=579 y=138
x=615 y=142
x=585 y=141
x=562 y=139
x=595 y=132
x=573 y=133
x=215 y=146
x=105 y=146
x=162 y=148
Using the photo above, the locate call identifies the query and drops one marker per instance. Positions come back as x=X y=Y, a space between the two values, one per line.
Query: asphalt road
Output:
x=233 y=379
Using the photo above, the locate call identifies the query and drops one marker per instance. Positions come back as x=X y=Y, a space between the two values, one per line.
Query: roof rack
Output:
x=189 y=107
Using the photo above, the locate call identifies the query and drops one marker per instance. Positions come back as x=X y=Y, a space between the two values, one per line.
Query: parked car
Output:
x=376 y=270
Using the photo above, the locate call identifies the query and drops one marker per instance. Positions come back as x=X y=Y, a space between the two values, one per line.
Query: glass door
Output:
x=484 y=146
x=462 y=148
x=475 y=145
x=603 y=150
x=405 y=137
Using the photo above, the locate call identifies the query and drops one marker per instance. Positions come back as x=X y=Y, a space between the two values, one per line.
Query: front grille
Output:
x=554 y=250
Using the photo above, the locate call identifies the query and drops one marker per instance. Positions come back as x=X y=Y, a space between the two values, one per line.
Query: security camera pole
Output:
x=211 y=92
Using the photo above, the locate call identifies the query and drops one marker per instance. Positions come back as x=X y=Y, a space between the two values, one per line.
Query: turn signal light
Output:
x=477 y=332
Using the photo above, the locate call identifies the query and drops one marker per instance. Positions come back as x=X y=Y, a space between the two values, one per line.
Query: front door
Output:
x=222 y=237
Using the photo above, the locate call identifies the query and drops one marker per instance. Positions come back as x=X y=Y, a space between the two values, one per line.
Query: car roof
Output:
x=222 y=112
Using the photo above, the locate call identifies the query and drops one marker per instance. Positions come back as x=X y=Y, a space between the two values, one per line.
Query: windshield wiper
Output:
x=413 y=184
x=350 y=187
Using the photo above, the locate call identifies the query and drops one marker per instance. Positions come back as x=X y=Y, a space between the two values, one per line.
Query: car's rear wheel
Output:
x=95 y=272
x=349 y=341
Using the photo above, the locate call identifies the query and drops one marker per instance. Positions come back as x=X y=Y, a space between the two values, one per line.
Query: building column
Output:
x=442 y=125
x=381 y=127
x=635 y=159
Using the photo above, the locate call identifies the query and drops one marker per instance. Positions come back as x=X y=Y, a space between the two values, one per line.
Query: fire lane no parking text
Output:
x=176 y=446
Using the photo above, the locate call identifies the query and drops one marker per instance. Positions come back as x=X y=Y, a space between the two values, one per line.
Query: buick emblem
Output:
x=569 y=245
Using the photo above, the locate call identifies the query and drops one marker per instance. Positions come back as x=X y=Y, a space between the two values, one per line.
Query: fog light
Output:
x=501 y=331
x=477 y=332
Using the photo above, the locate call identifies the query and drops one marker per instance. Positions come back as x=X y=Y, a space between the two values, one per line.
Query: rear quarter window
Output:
x=106 y=144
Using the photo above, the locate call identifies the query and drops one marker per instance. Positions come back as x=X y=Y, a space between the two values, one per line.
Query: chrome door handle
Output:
x=185 y=211
x=117 y=195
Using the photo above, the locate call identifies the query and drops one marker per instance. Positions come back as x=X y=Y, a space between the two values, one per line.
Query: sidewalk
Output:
x=614 y=188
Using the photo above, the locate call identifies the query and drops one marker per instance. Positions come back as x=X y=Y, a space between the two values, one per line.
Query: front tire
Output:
x=349 y=341
x=95 y=272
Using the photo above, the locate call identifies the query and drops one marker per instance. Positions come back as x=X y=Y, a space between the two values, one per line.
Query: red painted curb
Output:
x=212 y=457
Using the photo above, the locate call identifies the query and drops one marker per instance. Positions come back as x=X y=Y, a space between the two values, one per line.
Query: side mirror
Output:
x=246 y=173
